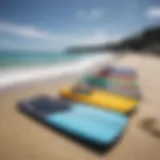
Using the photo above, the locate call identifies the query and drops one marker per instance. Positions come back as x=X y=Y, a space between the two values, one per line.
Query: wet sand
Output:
x=21 y=138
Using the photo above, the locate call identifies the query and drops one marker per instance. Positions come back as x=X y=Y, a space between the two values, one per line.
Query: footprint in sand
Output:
x=151 y=126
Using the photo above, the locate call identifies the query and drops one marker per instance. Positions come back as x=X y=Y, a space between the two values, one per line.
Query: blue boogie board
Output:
x=123 y=70
x=92 y=125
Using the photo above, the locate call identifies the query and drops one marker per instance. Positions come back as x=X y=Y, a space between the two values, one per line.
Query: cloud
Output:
x=24 y=31
x=153 y=12
x=57 y=40
x=30 y=32
x=93 y=14
x=96 y=37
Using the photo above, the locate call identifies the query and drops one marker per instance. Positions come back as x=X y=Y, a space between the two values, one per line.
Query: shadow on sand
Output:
x=150 y=126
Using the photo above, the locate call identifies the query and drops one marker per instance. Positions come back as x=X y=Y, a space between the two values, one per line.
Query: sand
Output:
x=21 y=138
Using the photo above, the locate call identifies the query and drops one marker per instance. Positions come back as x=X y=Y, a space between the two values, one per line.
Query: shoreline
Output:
x=54 y=74
x=20 y=77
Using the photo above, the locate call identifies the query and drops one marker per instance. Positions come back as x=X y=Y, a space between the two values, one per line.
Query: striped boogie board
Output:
x=92 y=125
x=104 y=82
x=121 y=81
x=125 y=72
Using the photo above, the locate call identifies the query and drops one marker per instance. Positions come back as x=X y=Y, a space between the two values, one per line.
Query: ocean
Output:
x=30 y=59
x=20 y=67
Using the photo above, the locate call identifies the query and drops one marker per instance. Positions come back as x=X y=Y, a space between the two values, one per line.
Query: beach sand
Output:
x=21 y=138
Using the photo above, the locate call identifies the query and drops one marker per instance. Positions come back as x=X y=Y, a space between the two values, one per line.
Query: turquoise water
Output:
x=19 y=58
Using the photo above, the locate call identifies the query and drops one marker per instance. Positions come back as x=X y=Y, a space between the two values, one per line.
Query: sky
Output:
x=58 y=24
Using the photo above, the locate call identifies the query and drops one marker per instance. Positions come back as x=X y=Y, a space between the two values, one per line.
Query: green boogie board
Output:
x=95 y=81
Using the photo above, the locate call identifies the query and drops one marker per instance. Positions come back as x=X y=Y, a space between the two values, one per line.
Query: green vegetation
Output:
x=147 y=41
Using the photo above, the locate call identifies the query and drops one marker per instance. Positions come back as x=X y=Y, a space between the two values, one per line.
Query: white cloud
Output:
x=153 y=12
x=24 y=31
x=56 y=39
x=93 y=14
x=97 y=37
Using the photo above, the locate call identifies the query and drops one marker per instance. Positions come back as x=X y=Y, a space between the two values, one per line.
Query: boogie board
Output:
x=118 y=85
x=96 y=81
x=93 y=125
x=104 y=82
x=118 y=71
x=127 y=73
x=123 y=70
x=100 y=98
x=131 y=92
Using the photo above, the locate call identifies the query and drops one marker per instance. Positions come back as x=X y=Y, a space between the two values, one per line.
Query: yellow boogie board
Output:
x=102 y=99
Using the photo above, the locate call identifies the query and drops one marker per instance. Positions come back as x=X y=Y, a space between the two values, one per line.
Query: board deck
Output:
x=83 y=121
x=102 y=99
